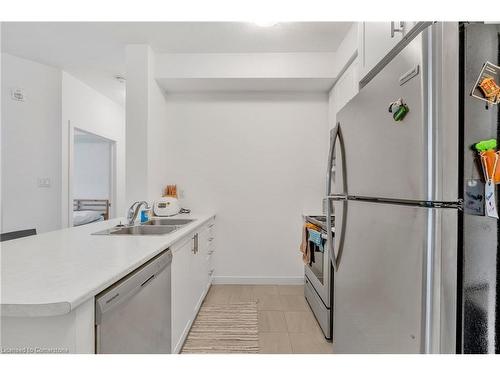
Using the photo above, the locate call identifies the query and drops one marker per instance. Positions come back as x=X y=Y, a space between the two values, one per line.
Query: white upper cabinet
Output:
x=377 y=39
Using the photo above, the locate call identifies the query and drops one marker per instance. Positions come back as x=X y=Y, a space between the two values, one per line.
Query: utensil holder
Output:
x=490 y=162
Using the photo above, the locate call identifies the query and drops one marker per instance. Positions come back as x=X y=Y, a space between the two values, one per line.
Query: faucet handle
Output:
x=130 y=211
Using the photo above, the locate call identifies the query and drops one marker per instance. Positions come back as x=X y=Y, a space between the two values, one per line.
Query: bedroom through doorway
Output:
x=92 y=178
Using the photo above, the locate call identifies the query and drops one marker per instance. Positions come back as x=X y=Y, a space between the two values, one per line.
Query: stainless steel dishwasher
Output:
x=134 y=314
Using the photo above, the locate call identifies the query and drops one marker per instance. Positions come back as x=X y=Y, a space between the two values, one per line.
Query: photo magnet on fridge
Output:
x=474 y=197
x=487 y=86
x=491 y=202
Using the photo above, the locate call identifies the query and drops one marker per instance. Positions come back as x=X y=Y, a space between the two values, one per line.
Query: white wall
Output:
x=257 y=160
x=31 y=146
x=158 y=134
x=137 y=65
x=88 y=110
x=91 y=166
x=36 y=141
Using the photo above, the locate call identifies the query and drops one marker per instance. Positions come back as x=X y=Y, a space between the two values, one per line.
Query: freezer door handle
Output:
x=335 y=135
x=331 y=155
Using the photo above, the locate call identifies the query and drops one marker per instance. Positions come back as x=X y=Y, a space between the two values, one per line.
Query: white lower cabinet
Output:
x=191 y=280
x=181 y=304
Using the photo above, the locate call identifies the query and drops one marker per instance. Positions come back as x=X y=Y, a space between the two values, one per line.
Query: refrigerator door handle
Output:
x=339 y=229
x=335 y=134
x=331 y=156
x=455 y=205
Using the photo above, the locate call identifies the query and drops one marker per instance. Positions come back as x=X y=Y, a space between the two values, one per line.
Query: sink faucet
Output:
x=133 y=211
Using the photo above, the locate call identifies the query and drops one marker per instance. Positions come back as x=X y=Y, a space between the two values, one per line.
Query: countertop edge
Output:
x=35 y=310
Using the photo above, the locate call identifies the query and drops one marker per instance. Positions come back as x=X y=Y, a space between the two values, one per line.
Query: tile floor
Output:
x=286 y=323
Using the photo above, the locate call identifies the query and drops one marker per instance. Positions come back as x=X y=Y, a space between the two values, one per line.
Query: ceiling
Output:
x=94 y=52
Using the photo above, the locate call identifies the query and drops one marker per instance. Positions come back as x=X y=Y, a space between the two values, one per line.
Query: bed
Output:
x=87 y=211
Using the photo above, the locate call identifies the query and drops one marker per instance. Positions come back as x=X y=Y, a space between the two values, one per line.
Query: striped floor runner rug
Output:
x=224 y=329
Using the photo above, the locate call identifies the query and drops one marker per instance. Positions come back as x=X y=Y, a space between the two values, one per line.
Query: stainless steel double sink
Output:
x=151 y=227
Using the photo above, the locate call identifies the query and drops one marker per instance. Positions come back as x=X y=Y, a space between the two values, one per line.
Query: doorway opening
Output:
x=92 y=182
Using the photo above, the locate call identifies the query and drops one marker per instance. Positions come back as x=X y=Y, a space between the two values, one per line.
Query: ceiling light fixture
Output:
x=266 y=23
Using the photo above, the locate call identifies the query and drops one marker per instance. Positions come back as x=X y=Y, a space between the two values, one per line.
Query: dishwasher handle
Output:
x=130 y=285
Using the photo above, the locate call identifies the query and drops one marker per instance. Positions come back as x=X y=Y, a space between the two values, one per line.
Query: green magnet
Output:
x=489 y=144
x=401 y=112
x=398 y=109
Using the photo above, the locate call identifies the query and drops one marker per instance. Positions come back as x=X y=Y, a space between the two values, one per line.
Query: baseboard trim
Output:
x=249 y=280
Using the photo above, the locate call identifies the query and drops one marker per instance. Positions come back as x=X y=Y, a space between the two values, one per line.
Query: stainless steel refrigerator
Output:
x=414 y=272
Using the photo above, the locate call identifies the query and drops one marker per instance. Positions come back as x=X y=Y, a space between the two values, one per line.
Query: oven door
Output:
x=318 y=272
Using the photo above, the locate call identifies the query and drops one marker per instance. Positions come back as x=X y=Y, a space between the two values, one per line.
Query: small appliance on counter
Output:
x=169 y=204
x=166 y=206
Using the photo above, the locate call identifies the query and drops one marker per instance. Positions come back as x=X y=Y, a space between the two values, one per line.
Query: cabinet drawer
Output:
x=211 y=230
x=211 y=261
x=211 y=249
x=211 y=243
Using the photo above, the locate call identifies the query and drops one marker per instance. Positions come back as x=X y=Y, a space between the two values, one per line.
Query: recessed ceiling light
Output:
x=266 y=23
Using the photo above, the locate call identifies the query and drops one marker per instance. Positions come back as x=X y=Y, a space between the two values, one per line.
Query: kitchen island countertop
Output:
x=54 y=272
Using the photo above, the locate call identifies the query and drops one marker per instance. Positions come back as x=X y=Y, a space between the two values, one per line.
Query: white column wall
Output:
x=137 y=99
x=146 y=128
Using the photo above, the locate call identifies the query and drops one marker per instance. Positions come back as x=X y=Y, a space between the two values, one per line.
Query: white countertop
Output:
x=52 y=273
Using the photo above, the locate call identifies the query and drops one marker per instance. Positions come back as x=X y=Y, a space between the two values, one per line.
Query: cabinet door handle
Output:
x=211 y=239
x=399 y=29
x=195 y=244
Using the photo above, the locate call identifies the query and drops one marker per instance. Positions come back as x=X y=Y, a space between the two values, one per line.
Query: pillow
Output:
x=85 y=217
